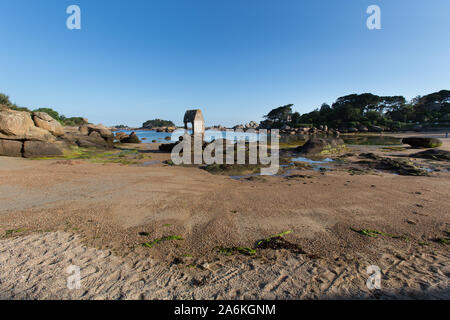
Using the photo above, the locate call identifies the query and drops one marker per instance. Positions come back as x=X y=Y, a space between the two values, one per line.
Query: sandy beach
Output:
x=57 y=213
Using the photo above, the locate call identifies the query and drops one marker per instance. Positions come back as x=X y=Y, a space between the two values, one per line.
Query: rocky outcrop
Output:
x=120 y=135
x=36 y=149
x=433 y=154
x=11 y=148
x=23 y=134
x=375 y=129
x=322 y=146
x=18 y=125
x=44 y=121
x=402 y=167
x=89 y=136
x=251 y=125
x=103 y=131
x=20 y=136
x=422 y=142
x=167 y=147
x=132 y=138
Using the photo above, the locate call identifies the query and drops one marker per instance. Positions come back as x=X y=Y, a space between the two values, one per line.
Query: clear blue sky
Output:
x=235 y=59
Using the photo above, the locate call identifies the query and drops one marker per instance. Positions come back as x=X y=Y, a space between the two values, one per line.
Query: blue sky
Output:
x=235 y=59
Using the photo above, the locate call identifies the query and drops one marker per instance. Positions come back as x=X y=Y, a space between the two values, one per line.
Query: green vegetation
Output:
x=275 y=242
x=242 y=250
x=443 y=240
x=169 y=162
x=73 y=121
x=371 y=233
x=280 y=235
x=376 y=233
x=11 y=232
x=159 y=240
x=232 y=169
x=157 y=123
x=365 y=110
x=389 y=149
x=124 y=157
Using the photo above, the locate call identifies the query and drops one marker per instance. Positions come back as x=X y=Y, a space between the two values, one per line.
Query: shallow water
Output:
x=210 y=135
x=148 y=163
x=372 y=140
x=302 y=159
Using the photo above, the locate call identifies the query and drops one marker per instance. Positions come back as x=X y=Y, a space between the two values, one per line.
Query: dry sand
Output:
x=60 y=213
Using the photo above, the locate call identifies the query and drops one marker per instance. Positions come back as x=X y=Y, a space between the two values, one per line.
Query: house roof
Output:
x=192 y=115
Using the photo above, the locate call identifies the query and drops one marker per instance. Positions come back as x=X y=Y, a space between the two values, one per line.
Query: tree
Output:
x=4 y=99
x=157 y=123
x=52 y=113
x=281 y=114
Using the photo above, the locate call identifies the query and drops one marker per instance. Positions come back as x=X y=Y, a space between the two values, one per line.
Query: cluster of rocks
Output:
x=125 y=138
x=31 y=135
x=216 y=128
x=162 y=129
x=404 y=167
x=363 y=129
x=324 y=130
x=252 y=125
x=86 y=136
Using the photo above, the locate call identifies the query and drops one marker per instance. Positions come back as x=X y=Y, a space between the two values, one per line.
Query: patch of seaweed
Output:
x=277 y=242
x=234 y=250
x=159 y=240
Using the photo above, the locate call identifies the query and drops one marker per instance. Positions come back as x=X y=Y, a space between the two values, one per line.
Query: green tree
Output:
x=4 y=99
x=157 y=123
x=52 y=113
x=281 y=114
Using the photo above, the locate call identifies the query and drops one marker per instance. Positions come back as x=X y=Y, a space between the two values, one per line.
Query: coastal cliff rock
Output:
x=11 y=148
x=18 y=125
x=44 y=121
x=35 y=149
x=422 y=142
x=32 y=135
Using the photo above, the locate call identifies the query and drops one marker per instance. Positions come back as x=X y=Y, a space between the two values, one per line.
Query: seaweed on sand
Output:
x=375 y=233
x=159 y=240
x=233 y=250
x=277 y=242
x=11 y=232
